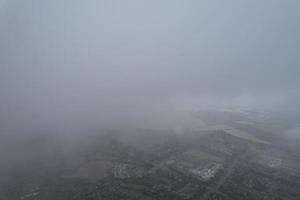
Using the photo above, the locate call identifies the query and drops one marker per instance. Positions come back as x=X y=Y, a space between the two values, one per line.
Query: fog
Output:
x=78 y=65
x=70 y=70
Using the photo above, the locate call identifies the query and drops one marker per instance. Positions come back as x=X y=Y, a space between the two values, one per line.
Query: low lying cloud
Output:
x=73 y=65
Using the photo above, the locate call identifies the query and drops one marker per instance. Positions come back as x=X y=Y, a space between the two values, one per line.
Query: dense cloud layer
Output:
x=68 y=64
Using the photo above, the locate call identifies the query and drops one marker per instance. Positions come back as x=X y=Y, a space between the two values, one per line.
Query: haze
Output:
x=156 y=99
x=70 y=65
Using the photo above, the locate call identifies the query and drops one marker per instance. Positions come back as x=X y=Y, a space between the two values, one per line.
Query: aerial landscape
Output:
x=149 y=100
x=230 y=155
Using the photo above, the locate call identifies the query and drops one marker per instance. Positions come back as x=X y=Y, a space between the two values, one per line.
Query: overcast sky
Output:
x=68 y=63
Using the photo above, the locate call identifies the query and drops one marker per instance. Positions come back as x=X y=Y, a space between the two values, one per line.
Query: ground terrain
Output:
x=226 y=156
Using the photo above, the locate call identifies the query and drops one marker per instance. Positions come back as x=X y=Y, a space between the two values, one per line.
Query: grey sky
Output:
x=71 y=62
